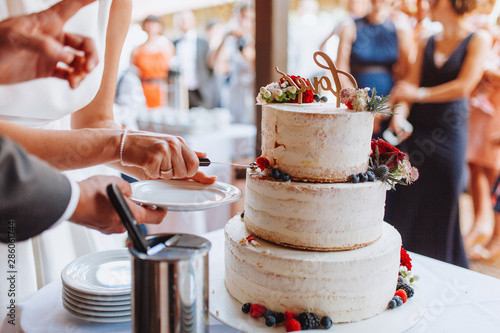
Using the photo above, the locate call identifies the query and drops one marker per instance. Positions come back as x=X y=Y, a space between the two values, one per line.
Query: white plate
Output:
x=92 y=313
x=101 y=301
x=227 y=310
x=100 y=273
x=98 y=319
x=92 y=307
x=184 y=195
x=98 y=298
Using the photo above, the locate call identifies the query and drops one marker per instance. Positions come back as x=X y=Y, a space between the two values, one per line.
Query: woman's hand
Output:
x=395 y=125
x=163 y=156
x=404 y=91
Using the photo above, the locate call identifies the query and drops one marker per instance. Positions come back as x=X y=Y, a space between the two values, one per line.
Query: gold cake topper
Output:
x=323 y=82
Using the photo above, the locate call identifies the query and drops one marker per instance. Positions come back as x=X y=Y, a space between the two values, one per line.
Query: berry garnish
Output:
x=292 y=325
x=392 y=304
x=398 y=300
x=363 y=177
x=263 y=163
x=408 y=289
x=308 y=320
x=285 y=177
x=288 y=315
x=326 y=322
x=257 y=311
x=280 y=317
x=354 y=178
x=253 y=166
x=246 y=307
x=270 y=321
x=242 y=215
x=276 y=173
x=324 y=99
x=316 y=97
x=268 y=313
x=371 y=176
x=400 y=279
x=401 y=293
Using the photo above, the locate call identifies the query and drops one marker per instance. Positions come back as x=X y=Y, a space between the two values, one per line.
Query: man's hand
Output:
x=95 y=211
x=35 y=46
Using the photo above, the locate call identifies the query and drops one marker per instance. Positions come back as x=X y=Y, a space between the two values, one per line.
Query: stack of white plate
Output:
x=97 y=286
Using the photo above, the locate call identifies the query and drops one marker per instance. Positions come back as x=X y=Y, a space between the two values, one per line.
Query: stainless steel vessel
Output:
x=170 y=285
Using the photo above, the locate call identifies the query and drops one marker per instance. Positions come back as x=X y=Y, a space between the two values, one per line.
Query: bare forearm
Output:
x=67 y=150
x=448 y=92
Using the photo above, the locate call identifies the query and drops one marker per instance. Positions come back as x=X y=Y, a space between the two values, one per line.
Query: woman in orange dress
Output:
x=152 y=60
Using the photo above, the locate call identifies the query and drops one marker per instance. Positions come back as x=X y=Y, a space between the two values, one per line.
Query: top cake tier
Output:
x=316 y=142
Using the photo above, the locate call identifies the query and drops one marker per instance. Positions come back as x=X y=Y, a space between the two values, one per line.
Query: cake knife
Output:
x=206 y=162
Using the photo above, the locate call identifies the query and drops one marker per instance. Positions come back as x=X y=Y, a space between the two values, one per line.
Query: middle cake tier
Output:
x=314 y=216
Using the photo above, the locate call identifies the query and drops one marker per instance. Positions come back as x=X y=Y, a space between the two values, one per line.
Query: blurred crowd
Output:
x=204 y=67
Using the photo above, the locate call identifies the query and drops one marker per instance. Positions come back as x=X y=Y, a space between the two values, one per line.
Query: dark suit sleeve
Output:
x=33 y=195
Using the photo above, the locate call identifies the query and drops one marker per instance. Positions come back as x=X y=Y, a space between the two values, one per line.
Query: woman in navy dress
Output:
x=375 y=50
x=448 y=67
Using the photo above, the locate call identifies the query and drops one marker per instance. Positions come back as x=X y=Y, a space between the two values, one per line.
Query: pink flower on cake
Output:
x=357 y=99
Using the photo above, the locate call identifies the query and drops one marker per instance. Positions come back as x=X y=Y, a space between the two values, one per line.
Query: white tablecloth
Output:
x=458 y=300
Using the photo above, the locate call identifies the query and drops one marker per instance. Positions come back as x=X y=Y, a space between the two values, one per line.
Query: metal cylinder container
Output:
x=170 y=285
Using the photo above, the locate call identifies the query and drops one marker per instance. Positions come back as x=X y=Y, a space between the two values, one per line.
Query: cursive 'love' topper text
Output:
x=322 y=82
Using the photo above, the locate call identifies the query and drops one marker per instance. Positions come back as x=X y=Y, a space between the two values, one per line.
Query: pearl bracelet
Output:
x=122 y=145
x=422 y=93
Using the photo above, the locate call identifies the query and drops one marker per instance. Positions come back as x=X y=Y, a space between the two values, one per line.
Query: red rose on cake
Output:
x=387 y=154
x=405 y=259
x=307 y=96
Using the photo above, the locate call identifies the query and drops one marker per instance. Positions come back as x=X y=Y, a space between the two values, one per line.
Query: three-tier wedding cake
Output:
x=312 y=237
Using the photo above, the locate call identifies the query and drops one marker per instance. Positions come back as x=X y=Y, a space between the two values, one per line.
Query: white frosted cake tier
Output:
x=322 y=216
x=348 y=286
x=317 y=141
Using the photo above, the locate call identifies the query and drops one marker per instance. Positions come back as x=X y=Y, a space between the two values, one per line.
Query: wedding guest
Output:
x=192 y=60
x=375 y=50
x=238 y=49
x=152 y=59
x=448 y=67
x=483 y=156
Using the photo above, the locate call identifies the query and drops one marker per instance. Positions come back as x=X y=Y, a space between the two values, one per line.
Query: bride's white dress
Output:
x=48 y=103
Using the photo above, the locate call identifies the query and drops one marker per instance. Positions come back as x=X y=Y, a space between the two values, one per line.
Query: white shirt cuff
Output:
x=73 y=202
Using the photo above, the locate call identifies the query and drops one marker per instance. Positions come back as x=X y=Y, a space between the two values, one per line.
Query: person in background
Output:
x=238 y=49
x=483 y=155
x=354 y=9
x=152 y=60
x=448 y=68
x=192 y=61
x=375 y=50
x=305 y=34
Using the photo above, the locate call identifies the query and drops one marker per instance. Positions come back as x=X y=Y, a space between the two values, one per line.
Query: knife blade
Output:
x=204 y=161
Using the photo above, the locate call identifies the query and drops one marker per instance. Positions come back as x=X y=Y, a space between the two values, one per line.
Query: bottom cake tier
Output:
x=348 y=286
